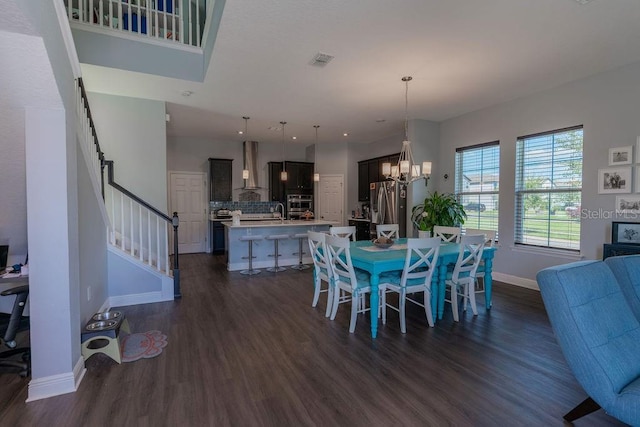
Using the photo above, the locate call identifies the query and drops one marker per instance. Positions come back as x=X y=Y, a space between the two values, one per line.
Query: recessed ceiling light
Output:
x=240 y=132
x=380 y=120
x=294 y=137
x=345 y=134
x=186 y=93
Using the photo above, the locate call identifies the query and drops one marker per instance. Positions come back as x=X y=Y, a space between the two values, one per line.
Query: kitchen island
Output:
x=237 y=250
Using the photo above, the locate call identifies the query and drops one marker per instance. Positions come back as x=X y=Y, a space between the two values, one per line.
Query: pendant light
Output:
x=406 y=171
x=245 y=172
x=316 y=176
x=283 y=174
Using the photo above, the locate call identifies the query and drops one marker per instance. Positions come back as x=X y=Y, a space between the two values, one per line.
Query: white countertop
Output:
x=278 y=223
x=248 y=217
x=359 y=219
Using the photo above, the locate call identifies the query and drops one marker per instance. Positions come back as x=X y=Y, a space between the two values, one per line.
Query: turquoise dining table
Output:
x=380 y=261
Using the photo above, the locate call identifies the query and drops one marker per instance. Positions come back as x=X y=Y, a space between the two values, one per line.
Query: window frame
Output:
x=521 y=191
x=459 y=177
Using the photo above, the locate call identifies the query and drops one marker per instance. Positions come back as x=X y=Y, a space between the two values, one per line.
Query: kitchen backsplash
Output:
x=245 y=207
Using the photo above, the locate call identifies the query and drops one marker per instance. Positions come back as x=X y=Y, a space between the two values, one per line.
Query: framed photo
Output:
x=625 y=232
x=628 y=204
x=614 y=180
x=620 y=155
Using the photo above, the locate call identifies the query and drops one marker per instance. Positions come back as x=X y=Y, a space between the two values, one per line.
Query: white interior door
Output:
x=187 y=197
x=331 y=198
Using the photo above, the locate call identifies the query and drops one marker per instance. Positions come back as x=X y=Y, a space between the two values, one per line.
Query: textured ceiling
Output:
x=463 y=55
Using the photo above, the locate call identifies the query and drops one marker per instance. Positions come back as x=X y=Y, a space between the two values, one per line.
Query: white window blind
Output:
x=549 y=189
x=477 y=184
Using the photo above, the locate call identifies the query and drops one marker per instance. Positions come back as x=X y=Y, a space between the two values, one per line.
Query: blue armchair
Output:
x=627 y=272
x=598 y=334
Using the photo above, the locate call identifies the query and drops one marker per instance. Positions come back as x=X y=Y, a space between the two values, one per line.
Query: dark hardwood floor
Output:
x=247 y=351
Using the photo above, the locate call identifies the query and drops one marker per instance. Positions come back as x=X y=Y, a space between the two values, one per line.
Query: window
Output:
x=477 y=184
x=549 y=189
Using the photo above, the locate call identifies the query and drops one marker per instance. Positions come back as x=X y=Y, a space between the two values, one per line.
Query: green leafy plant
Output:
x=438 y=209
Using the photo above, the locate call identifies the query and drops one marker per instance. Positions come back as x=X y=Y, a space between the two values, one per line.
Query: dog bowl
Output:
x=101 y=325
x=107 y=315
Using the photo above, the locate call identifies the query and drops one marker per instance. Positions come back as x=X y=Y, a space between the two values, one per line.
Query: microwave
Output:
x=298 y=204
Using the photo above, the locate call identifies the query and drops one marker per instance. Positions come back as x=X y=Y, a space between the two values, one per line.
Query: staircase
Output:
x=139 y=235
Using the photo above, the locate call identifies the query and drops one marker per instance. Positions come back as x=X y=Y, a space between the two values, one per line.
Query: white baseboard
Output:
x=135 y=299
x=515 y=280
x=55 y=385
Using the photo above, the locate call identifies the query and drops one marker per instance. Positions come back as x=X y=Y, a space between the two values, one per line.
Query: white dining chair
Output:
x=321 y=269
x=346 y=231
x=415 y=277
x=447 y=234
x=461 y=281
x=490 y=239
x=391 y=231
x=345 y=278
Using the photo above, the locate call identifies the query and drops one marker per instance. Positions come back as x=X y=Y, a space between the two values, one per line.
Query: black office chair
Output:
x=10 y=325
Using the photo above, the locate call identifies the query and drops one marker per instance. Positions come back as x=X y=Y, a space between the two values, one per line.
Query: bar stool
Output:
x=276 y=238
x=300 y=237
x=250 y=239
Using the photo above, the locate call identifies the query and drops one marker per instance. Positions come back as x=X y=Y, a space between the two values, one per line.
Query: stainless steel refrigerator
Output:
x=388 y=206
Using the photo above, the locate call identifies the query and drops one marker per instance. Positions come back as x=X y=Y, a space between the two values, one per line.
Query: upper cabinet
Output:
x=220 y=179
x=299 y=179
x=371 y=171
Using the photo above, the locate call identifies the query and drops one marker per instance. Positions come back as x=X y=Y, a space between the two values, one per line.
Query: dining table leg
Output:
x=488 y=282
x=374 y=302
x=442 y=288
x=435 y=292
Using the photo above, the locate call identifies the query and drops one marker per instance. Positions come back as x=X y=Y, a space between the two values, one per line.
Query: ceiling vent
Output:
x=584 y=1
x=321 y=59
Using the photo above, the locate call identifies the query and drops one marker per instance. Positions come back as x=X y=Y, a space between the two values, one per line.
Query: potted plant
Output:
x=438 y=209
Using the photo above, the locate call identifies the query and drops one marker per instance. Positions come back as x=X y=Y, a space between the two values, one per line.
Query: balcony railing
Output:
x=171 y=21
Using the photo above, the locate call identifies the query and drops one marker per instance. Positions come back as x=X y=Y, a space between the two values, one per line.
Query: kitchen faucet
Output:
x=282 y=215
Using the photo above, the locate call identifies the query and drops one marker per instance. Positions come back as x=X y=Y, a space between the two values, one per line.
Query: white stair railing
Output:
x=161 y=20
x=138 y=230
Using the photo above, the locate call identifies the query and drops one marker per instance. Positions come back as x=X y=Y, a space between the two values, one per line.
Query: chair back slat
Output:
x=447 y=234
x=318 y=253
x=346 y=231
x=489 y=235
x=471 y=249
x=427 y=250
x=339 y=257
x=390 y=231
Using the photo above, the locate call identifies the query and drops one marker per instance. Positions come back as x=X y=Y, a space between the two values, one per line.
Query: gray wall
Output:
x=132 y=133
x=192 y=154
x=333 y=159
x=93 y=245
x=606 y=104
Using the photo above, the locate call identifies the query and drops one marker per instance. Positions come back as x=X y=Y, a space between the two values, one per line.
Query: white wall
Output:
x=132 y=133
x=606 y=104
x=192 y=154
x=333 y=159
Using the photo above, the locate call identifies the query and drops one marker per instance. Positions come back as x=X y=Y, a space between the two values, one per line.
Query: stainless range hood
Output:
x=250 y=151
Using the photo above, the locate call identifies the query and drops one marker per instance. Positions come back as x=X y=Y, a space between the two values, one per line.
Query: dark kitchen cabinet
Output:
x=371 y=171
x=300 y=177
x=276 y=187
x=217 y=237
x=362 y=229
x=220 y=179
x=363 y=181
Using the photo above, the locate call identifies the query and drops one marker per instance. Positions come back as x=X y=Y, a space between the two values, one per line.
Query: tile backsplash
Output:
x=245 y=207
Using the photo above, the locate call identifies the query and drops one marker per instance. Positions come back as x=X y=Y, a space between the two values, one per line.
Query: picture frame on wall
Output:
x=621 y=155
x=625 y=232
x=628 y=204
x=614 y=180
